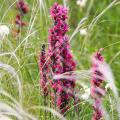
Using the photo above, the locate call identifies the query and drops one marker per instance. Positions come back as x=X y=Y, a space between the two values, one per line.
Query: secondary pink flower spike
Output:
x=97 y=92
x=43 y=67
x=23 y=9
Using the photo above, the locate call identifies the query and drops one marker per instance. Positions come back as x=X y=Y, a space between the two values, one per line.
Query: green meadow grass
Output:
x=24 y=50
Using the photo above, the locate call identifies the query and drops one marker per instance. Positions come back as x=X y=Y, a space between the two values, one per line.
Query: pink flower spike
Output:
x=61 y=59
x=22 y=6
x=97 y=91
x=43 y=67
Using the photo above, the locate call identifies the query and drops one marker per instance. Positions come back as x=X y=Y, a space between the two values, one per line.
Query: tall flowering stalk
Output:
x=97 y=91
x=43 y=67
x=44 y=73
x=23 y=9
x=60 y=56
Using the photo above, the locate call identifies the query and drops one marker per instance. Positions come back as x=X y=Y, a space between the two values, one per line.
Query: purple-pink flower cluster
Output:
x=61 y=59
x=69 y=65
x=43 y=67
x=97 y=92
x=23 y=8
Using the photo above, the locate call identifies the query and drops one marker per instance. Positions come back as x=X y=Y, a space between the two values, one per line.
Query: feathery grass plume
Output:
x=81 y=3
x=23 y=9
x=97 y=91
x=43 y=67
x=83 y=31
x=61 y=58
x=4 y=31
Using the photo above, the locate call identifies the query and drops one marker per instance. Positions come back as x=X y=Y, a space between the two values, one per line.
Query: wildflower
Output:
x=56 y=41
x=19 y=21
x=58 y=12
x=81 y=3
x=43 y=71
x=98 y=110
x=23 y=9
x=4 y=30
x=22 y=6
x=97 y=91
x=61 y=59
